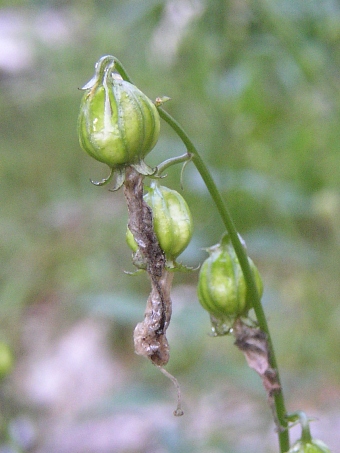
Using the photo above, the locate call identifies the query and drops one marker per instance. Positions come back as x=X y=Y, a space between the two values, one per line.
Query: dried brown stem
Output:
x=150 y=334
x=252 y=341
x=140 y=223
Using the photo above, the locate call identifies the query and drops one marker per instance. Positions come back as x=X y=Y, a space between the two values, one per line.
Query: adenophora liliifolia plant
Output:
x=118 y=125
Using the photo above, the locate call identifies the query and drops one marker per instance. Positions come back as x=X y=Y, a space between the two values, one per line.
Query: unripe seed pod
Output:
x=130 y=240
x=6 y=359
x=313 y=446
x=118 y=124
x=172 y=221
x=222 y=288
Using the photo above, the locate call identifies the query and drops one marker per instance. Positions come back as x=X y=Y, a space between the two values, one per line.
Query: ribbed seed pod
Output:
x=172 y=221
x=118 y=124
x=314 y=446
x=222 y=289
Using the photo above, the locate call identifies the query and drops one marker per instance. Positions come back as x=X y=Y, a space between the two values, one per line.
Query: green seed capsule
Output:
x=172 y=221
x=6 y=359
x=130 y=240
x=118 y=124
x=222 y=289
x=314 y=446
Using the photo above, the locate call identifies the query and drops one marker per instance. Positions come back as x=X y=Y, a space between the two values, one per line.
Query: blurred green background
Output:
x=256 y=86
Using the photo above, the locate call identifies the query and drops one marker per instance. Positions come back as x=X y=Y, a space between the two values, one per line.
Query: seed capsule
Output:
x=313 y=446
x=222 y=289
x=118 y=124
x=172 y=221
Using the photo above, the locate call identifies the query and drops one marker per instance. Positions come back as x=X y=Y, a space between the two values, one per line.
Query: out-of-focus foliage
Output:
x=256 y=85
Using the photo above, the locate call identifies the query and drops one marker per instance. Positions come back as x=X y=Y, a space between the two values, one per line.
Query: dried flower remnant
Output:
x=253 y=343
x=150 y=335
x=150 y=340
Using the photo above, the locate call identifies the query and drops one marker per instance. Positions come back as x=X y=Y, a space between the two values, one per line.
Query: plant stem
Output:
x=120 y=68
x=304 y=422
x=243 y=259
x=280 y=409
x=172 y=161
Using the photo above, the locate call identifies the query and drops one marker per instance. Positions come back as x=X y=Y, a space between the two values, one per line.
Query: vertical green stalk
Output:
x=280 y=409
x=243 y=259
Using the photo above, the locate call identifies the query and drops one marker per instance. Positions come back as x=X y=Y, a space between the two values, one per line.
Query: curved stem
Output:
x=172 y=161
x=120 y=68
x=243 y=259
x=304 y=422
x=280 y=409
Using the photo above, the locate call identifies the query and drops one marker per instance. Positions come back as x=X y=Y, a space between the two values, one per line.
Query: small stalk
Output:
x=302 y=418
x=172 y=161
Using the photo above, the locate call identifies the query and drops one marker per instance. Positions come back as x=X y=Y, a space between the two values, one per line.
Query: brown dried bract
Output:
x=140 y=223
x=253 y=343
x=150 y=334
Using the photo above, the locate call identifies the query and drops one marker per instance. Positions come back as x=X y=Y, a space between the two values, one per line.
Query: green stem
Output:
x=304 y=422
x=243 y=259
x=120 y=68
x=172 y=161
x=280 y=409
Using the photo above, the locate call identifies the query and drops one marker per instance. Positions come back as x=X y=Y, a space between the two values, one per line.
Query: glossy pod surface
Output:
x=172 y=221
x=118 y=124
x=222 y=289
